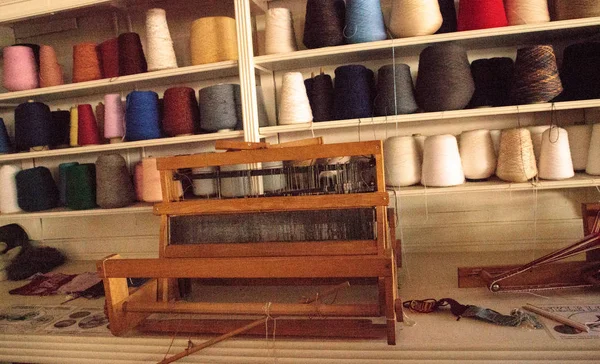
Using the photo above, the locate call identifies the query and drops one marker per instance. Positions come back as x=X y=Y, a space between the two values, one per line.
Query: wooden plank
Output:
x=298 y=143
x=285 y=203
x=308 y=248
x=237 y=145
x=266 y=267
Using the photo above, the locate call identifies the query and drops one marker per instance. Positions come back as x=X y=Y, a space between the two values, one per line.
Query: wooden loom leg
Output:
x=390 y=309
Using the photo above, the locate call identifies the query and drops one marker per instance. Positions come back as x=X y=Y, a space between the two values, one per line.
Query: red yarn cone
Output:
x=481 y=14
x=87 y=133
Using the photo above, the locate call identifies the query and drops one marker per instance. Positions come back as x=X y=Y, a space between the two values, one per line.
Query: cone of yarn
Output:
x=61 y=127
x=420 y=140
x=36 y=190
x=294 y=106
x=5 y=144
x=218 y=109
x=74 y=128
x=138 y=181
x=448 y=10
x=114 y=118
x=114 y=187
x=579 y=142
x=593 y=162
x=364 y=21
x=516 y=160
x=161 y=54
x=477 y=154
x=109 y=57
x=353 y=96
x=19 y=70
x=131 y=55
x=410 y=18
x=204 y=187
x=320 y=95
x=274 y=182
x=580 y=71
x=235 y=186
x=555 y=156
x=576 y=9
x=62 y=181
x=279 y=31
x=477 y=14
x=520 y=12
x=536 y=78
x=181 y=115
x=142 y=116
x=87 y=130
x=51 y=73
x=151 y=188
x=441 y=162
x=8 y=189
x=395 y=91
x=493 y=80
x=36 y=52
x=213 y=39
x=445 y=81
x=239 y=114
x=81 y=186
x=495 y=134
x=86 y=63
x=33 y=126
x=536 y=139
x=324 y=23
x=402 y=161
x=100 y=121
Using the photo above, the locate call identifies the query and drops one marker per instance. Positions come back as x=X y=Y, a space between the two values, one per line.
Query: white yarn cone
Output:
x=579 y=141
x=441 y=162
x=555 y=157
x=477 y=154
x=536 y=139
x=160 y=53
x=593 y=162
x=411 y=18
x=279 y=31
x=420 y=140
x=275 y=182
x=294 y=107
x=526 y=11
x=402 y=161
x=495 y=135
x=235 y=186
x=8 y=189
x=516 y=159
x=204 y=187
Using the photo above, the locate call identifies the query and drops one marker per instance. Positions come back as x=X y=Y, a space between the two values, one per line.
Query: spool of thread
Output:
x=448 y=10
x=477 y=14
x=402 y=161
x=477 y=154
x=593 y=162
x=114 y=187
x=324 y=23
x=536 y=139
x=279 y=31
x=493 y=80
x=204 y=187
x=131 y=55
x=441 y=162
x=395 y=91
x=579 y=142
x=320 y=95
x=218 y=108
x=580 y=71
x=87 y=130
x=86 y=64
x=161 y=54
x=62 y=181
x=33 y=123
x=411 y=18
x=81 y=186
x=516 y=160
x=19 y=69
x=445 y=81
x=275 y=182
x=5 y=144
x=181 y=115
x=213 y=39
x=74 y=128
x=151 y=188
x=109 y=56
x=235 y=186
x=142 y=117
x=495 y=134
x=353 y=97
x=114 y=118
x=8 y=189
x=536 y=78
x=36 y=190
x=364 y=21
x=576 y=9
x=294 y=106
x=61 y=126
x=51 y=73
x=521 y=12
x=555 y=157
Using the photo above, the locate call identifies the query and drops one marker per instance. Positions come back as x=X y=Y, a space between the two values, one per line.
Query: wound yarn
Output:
x=218 y=110
x=324 y=23
x=579 y=142
x=294 y=106
x=364 y=21
x=151 y=187
x=213 y=39
x=279 y=31
x=493 y=80
x=86 y=64
x=576 y=9
x=580 y=71
x=109 y=57
x=181 y=115
x=131 y=55
x=477 y=154
x=114 y=187
x=62 y=182
x=73 y=131
x=477 y=14
x=448 y=10
x=8 y=189
x=441 y=162
x=5 y=144
x=555 y=157
x=81 y=186
x=19 y=70
x=61 y=126
x=410 y=18
x=353 y=92
x=536 y=78
x=51 y=73
x=161 y=54
x=516 y=159
x=36 y=190
x=138 y=181
x=520 y=12
x=593 y=162
x=87 y=129
x=142 y=117
x=320 y=94
x=33 y=123
x=402 y=161
x=395 y=91
x=536 y=139
x=114 y=117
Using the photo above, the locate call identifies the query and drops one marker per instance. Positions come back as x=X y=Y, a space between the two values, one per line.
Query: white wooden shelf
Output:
x=120 y=146
x=576 y=29
x=60 y=212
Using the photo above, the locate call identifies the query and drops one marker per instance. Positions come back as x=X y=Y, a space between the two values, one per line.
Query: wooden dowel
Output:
x=327 y=292
x=555 y=317
x=214 y=341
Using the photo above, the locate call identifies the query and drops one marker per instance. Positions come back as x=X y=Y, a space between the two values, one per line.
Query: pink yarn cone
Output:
x=20 y=69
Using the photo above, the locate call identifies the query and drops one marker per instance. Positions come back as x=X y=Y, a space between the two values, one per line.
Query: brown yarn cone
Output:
x=536 y=78
x=109 y=57
x=50 y=71
x=516 y=159
x=86 y=65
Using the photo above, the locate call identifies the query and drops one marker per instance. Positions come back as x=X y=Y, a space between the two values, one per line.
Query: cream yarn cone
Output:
x=441 y=162
x=477 y=154
x=555 y=156
x=516 y=159
x=402 y=161
x=579 y=142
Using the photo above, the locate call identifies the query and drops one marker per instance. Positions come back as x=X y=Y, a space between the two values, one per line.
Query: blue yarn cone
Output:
x=364 y=21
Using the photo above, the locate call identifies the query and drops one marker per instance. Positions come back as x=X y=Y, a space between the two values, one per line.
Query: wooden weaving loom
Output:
x=320 y=217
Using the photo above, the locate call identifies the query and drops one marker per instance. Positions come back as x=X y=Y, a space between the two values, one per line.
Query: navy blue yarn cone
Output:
x=5 y=144
x=61 y=126
x=33 y=125
x=353 y=92
x=36 y=190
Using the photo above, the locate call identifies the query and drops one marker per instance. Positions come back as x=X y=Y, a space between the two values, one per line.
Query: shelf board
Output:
x=430 y=116
x=472 y=39
x=141 y=207
x=124 y=83
x=122 y=146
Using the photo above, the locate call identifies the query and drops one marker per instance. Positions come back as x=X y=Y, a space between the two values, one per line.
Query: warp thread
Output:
x=19 y=69
x=204 y=187
x=410 y=18
x=33 y=122
x=131 y=55
x=320 y=94
x=536 y=78
x=87 y=129
x=114 y=187
x=61 y=125
x=395 y=91
x=364 y=21
x=8 y=189
x=213 y=39
x=51 y=73
x=181 y=115
x=477 y=14
x=353 y=92
x=109 y=57
x=81 y=186
x=86 y=63
x=36 y=190
x=324 y=23
x=218 y=109
x=161 y=54
x=142 y=117
x=279 y=31
x=294 y=105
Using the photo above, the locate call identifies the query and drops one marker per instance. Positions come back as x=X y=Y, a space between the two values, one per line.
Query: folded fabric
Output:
x=43 y=284
x=80 y=283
